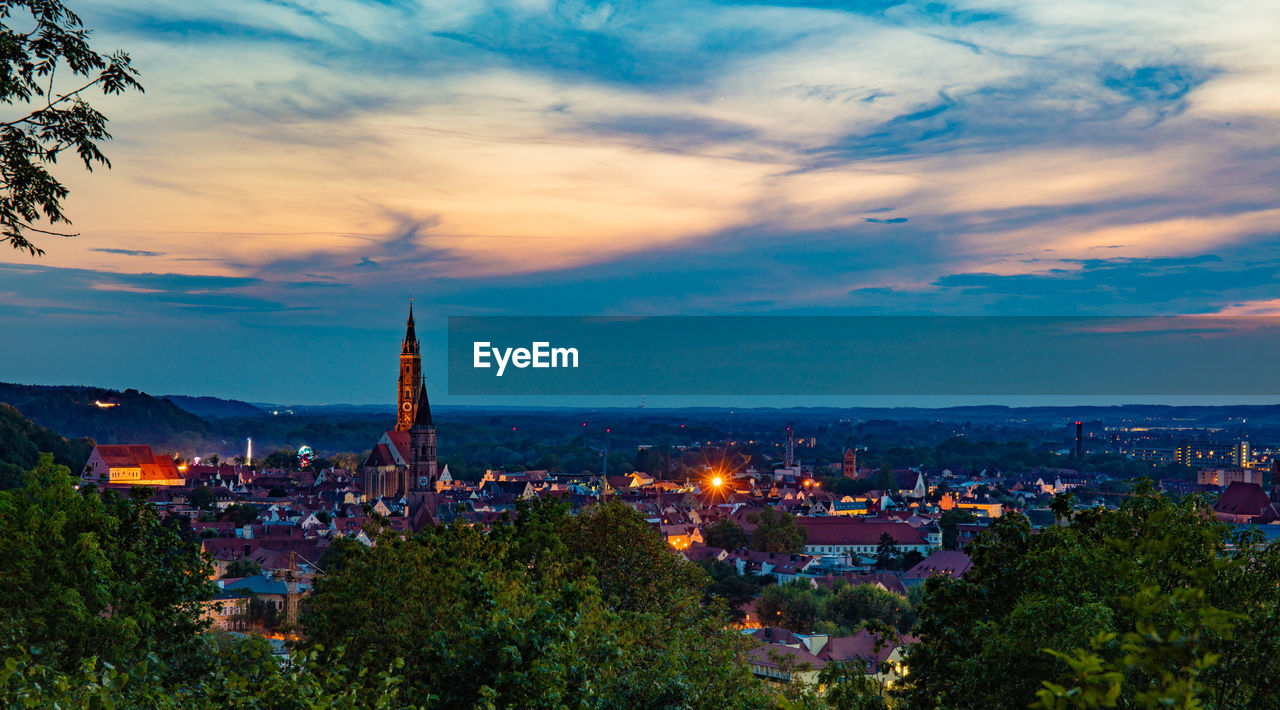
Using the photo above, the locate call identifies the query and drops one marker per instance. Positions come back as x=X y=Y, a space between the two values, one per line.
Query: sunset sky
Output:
x=297 y=168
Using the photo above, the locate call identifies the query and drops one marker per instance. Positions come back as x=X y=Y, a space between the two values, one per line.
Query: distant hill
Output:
x=22 y=441
x=107 y=416
x=215 y=408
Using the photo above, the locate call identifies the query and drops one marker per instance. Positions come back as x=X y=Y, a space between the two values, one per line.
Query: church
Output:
x=403 y=462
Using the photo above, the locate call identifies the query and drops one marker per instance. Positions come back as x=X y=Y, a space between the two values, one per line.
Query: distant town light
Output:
x=105 y=405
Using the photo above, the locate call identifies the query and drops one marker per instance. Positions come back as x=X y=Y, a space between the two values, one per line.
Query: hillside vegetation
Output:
x=22 y=441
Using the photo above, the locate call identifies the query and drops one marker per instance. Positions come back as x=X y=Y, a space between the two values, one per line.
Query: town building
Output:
x=403 y=461
x=130 y=464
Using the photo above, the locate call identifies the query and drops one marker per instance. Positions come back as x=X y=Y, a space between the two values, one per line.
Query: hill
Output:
x=22 y=441
x=108 y=416
x=215 y=408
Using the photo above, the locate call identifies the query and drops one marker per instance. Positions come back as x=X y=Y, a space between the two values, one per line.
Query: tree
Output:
x=1061 y=506
x=735 y=590
x=850 y=688
x=850 y=606
x=949 y=522
x=793 y=606
x=264 y=613
x=51 y=45
x=286 y=459
x=548 y=611
x=1153 y=604
x=239 y=513
x=885 y=480
x=202 y=497
x=725 y=534
x=243 y=674
x=777 y=532
x=243 y=568
x=886 y=552
x=96 y=576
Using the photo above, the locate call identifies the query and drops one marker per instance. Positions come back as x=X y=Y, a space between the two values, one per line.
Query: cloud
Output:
x=310 y=162
x=128 y=252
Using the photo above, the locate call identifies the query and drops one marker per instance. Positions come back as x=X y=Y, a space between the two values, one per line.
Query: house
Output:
x=910 y=484
x=783 y=657
x=880 y=656
x=272 y=590
x=982 y=509
x=779 y=564
x=227 y=611
x=849 y=505
x=131 y=464
x=847 y=536
x=682 y=536
x=697 y=552
x=1245 y=503
x=950 y=563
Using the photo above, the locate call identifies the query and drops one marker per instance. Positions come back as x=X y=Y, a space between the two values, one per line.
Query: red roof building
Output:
x=1245 y=503
x=951 y=563
x=133 y=464
x=845 y=535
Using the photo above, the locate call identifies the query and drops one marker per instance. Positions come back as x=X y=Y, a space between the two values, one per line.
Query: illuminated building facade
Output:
x=133 y=464
x=404 y=460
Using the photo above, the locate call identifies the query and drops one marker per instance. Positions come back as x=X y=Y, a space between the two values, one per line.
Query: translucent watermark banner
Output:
x=864 y=355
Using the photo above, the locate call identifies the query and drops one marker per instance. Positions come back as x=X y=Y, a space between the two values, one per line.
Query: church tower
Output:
x=410 y=376
x=422 y=442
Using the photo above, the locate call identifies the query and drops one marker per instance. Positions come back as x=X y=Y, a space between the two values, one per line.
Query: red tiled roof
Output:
x=380 y=456
x=862 y=645
x=1244 y=499
x=851 y=531
x=760 y=655
x=154 y=467
x=951 y=563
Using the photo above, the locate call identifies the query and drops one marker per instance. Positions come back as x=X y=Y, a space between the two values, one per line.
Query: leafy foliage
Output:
x=242 y=675
x=21 y=442
x=90 y=576
x=57 y=118
x=551 y=611
x=1153 y=605
x=731 y=588
x=725 y=534
x=777 y=531
x=839 y=610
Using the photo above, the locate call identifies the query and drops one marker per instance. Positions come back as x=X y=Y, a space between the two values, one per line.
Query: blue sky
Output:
x=295 y=170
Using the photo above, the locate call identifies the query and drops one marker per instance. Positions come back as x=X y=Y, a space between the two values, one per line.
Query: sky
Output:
x=298 y=168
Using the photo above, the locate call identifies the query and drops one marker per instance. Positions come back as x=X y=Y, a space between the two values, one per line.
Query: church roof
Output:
x=380 y=456
x=423 y=415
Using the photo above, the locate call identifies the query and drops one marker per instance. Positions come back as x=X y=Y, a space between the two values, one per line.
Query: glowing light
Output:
x=717 y=481
x=105 y=405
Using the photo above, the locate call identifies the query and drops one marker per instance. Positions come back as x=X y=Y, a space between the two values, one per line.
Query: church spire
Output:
x=410 y=344
x=410 y=373
x=422 y=417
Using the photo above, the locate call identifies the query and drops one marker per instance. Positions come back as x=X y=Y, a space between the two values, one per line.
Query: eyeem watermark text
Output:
x=540 y=354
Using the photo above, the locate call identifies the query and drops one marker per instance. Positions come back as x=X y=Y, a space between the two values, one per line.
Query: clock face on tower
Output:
x=406 y=406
